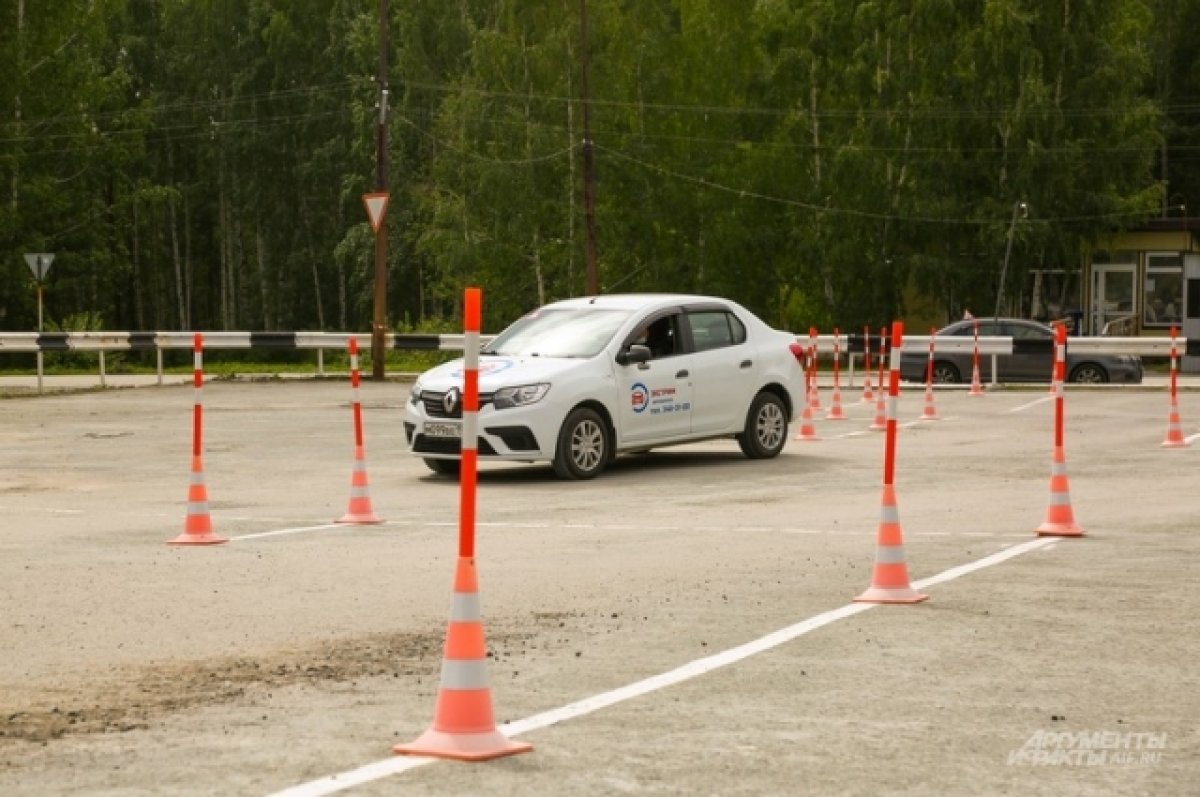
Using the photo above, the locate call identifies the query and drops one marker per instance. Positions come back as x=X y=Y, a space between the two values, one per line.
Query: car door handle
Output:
x=746 y=364
x=681 y=374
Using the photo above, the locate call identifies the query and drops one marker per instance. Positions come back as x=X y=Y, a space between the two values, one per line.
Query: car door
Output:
x=723 y=370
x=1033 y=353
x=656 y=405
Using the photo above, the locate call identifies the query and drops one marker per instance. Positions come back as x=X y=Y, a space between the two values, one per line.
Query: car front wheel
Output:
x=1089 y=373
x=583 y=445
x=766 y=427
x=945 y=374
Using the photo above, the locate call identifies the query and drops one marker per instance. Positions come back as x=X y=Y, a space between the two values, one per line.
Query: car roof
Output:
x=969 y=322
x=639 y=301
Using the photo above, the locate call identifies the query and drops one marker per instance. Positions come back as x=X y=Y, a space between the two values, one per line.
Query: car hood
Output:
x=496 y=372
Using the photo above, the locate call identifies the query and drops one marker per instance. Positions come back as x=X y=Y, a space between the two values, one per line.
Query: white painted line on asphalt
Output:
x=1192 y=438
x=298 y=530
x=392 y=766
x=1024 y=407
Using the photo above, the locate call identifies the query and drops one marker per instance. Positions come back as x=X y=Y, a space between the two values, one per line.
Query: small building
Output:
x=1139 y=282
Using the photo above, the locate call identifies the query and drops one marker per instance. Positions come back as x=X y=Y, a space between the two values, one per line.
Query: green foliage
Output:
x=200 y=165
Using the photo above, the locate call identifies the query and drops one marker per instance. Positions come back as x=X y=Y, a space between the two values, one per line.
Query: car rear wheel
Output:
x=945 y=373
x=443 y=467
x=766 y=427
x=1089 y=373
x=583 y=445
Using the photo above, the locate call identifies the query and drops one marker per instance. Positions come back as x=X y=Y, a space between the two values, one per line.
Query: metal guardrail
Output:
x=31 y=342
x=850 y=345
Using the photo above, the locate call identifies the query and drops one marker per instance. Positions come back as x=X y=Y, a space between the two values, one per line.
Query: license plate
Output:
x=442 y=430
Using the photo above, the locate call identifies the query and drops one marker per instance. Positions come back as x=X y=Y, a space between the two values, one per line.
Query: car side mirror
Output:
x=636 y=353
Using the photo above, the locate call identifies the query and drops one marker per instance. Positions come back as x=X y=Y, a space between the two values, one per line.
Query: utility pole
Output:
x=379 y=327
x=1019 y=208
x=589 y=175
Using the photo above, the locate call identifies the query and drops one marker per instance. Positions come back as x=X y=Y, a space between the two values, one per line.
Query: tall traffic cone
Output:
x=976 y=386
x=1174 y=438
x=889 y=581
x=359 y=509
x=880 y=422
x=1060 y=520
x=835 y=405
x=463 y=724
x=197 y=528
x=930 y=411
x=867 y=395
x=807 y=431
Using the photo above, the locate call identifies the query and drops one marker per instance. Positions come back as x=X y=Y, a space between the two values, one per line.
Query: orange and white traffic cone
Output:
x=807 y=431
x=359 y=509
x=889 y=580
x=867 y=394
x=197 y=527
x=1174 y=438
x=463 y=724
x=835 y=405
x=976 y=386
x=880 y=422
x=930 y=411
x=1060 y=519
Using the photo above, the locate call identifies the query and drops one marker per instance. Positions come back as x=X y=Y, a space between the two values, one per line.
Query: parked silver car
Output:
x=1032 y=359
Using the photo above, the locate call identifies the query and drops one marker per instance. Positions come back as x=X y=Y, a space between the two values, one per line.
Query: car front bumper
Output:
x=518 y=434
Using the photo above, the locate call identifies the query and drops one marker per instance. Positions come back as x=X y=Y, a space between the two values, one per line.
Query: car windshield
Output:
x=559 y=332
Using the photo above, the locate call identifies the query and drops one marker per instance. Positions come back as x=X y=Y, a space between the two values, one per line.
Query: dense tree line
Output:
x=200 y=163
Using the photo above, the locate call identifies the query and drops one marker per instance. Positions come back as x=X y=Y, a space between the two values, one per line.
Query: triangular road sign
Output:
x=39 y=264
x=376 y=208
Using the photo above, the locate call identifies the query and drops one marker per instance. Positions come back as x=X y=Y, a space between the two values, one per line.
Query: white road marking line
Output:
x=297 y=530
x=693 y=669
x=1024 y=407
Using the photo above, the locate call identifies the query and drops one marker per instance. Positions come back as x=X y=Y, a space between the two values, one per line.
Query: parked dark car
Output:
x=1032 y=359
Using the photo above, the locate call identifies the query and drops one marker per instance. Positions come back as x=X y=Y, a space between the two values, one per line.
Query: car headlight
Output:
x=520 y=396
x=414 y=396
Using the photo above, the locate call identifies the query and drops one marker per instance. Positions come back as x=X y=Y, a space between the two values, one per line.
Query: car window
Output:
x=1027 y=332
x=559 y=332
x=661 y=336
x=715 y=329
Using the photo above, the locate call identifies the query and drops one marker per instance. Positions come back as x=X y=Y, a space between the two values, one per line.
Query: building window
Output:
x=1163 y=290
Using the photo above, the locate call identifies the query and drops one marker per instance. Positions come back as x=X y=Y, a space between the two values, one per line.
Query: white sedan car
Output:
x=577 y=382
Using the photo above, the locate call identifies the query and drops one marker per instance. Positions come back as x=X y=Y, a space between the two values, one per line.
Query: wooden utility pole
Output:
x=589 y=175
x=379 y=327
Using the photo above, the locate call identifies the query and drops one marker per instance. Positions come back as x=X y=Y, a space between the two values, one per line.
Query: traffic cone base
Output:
x=889 y=579
x=880 y=422
x=359 y=510
x=930 y=411
x=197 y=527
x=881 y=595
x=463 y=726
x=462 y=746
x=807 y=431
x=1174 y=438
x=835 y=410
x=1060 y=519
x=976 y=386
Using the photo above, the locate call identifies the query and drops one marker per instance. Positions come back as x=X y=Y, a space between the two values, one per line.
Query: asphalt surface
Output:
x=683 y=624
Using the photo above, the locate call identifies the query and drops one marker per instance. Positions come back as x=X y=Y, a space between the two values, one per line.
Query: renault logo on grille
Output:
x=451 y=400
